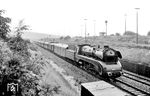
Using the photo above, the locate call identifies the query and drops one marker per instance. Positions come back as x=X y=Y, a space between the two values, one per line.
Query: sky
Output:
x=67 y=17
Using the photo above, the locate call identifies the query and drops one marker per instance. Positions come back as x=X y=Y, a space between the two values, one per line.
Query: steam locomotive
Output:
x=102 y=61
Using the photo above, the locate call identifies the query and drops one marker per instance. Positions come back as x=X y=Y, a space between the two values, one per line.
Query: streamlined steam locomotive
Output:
x=104 y=61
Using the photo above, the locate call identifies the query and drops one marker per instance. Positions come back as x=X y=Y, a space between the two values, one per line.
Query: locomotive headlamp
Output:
x=109 y=73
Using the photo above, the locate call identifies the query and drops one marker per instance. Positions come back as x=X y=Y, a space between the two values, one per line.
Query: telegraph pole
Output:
x=81 y=29
x=137 y=25
x=125 y=21
x=85 y=29
x=94 y=27
x=106 y=26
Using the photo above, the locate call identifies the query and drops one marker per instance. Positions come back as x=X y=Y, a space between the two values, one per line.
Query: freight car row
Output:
x=140 y=69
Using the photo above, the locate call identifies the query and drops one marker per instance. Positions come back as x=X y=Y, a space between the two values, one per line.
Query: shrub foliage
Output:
x=25 y=70
x=4 y=25
x=148 y=34
x=129 y=33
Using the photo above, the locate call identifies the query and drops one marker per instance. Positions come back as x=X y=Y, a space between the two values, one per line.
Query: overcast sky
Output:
x=66 y=17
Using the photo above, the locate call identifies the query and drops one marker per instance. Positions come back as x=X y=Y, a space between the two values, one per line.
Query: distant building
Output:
x=102 y=33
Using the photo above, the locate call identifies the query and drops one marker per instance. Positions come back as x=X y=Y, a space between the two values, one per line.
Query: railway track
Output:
x=131 y=88
x=140 y=83
x=126 y=86
x=136 y=77
x=120 y=82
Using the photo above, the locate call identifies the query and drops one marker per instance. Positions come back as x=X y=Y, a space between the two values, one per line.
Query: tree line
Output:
x=129 y=33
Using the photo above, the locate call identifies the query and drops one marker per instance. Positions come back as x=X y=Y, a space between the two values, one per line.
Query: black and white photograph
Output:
x=75 y=48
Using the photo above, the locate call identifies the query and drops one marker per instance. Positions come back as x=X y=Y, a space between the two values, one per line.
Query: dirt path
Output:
x=55 y=78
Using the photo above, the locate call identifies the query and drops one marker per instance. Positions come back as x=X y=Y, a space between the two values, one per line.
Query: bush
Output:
x=111 y=34
x=15 y=68
x=5 y=28
x=18 y=45
x=117 y=34
x=61 y=38
x=67 y=37
x=129 y=33
x=148 y=34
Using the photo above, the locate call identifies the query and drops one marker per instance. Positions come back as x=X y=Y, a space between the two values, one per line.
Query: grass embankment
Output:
x=26 y=66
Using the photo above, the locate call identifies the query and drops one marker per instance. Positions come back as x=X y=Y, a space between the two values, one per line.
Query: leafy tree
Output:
x=129 y=33
x=20 y=28
x=111 y=34
x=4 y=25
x=16 y=43
x=148 y=34
x=117 y=34
x=61 y=38
x=67 y=37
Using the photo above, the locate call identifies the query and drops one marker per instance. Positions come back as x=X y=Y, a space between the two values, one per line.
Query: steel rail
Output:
x=136 y=88
x=140 y=81
x=136 y=75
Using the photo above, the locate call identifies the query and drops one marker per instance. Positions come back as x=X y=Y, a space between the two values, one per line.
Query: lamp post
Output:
x=137 y=25
x=85 y=29
x=106 y=26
